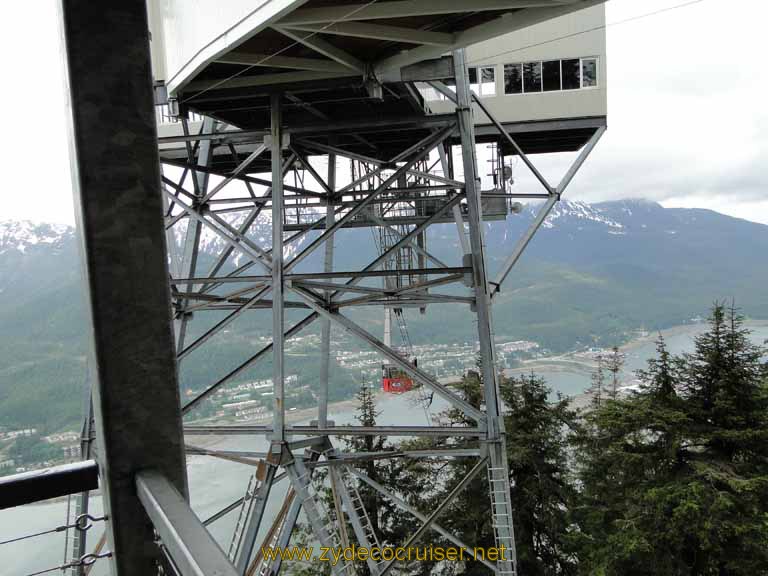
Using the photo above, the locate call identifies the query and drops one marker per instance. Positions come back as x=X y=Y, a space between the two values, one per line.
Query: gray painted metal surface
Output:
x=500 y=504
x=119 y=211
x=37 y=485
x=190 y=546
x=403 y=175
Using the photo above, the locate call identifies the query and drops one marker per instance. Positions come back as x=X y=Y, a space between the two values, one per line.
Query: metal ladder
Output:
x=245 y=510
x=357 y=503
x=319 y=515
x=266 y=564
x=501 y=510
x=350 y=483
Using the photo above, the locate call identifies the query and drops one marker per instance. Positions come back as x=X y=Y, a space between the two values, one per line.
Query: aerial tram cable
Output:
x=588 y=30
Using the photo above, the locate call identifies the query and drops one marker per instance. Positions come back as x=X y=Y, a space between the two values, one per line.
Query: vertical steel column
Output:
x=188 y=265
x=278 y=312
x=501 y=505
x=363 y=532
x=445 y=151
x=119 y=211
x=261 y=494
x=325 y=338
x=314 y=512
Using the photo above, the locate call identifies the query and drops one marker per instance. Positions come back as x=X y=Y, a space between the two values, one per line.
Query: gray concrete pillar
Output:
x=119 y=212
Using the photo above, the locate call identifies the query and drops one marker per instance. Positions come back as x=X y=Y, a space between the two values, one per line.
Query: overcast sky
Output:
x=688 y=124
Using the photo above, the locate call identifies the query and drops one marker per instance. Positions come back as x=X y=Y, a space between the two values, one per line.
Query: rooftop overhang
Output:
x=284 y=42
x=370 y=138
x=338 y=61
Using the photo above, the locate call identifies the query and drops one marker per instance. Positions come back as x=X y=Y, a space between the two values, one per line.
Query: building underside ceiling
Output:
x=338 y=60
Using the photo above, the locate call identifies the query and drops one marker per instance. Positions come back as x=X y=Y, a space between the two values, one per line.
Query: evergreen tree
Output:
x=469 y=516
x=598 y=382
x=366 y=416
x=725 y=390
x=538 y=434
x=390 y=524
x=674 y=478
x=626 y=450
x=614 y=363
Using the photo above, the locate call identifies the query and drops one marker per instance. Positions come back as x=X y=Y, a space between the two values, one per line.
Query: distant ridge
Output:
x=593 y=274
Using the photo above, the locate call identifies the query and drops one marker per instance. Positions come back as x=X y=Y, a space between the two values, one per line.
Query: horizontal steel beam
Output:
x=393 y=301
x=238 y=457
x=314 y=285
x=266 y=81
x=378 y=32
x=257 y=136
x=405 y=9
x=48 y=483
x=328 y=275
x=245 y=429
x=272 y=61
x=408 y=508
x=199 y=451
x=435 y=453
x=191 y=547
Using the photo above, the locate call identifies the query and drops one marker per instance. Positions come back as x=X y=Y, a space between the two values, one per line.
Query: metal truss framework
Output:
x=308 y=214
x=141 y=459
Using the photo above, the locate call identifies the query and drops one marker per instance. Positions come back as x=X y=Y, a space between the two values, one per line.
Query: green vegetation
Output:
x=28 y=450
x=672 y=479
x=538 y=434
x=675 y=478
x=580 y=283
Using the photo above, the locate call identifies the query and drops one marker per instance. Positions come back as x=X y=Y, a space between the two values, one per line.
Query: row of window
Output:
x=550 y=75
x=528 y=77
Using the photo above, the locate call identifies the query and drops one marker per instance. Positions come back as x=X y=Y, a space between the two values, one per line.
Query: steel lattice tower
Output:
x=438 y=198
x=142 y=457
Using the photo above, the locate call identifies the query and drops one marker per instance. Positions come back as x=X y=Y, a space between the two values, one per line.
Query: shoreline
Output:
x=675 y=330
x=557 y=363
x=291 y=417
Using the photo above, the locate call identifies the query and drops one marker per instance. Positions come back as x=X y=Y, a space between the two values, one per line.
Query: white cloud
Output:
x=687 y=120
x=36 y=180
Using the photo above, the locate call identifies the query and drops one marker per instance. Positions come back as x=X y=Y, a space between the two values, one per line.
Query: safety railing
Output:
x=39 y=485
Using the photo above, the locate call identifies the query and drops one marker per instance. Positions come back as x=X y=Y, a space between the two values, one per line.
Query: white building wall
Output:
x=560 y=38
x=187 y=34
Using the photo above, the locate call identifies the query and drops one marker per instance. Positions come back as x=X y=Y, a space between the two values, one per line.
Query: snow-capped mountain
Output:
x=574 y=232
x=22 y=235
x=578 y=211
x=573 y=219
x=593 y=273
x=211 y=243
x=642 y=236
x=618 y=217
